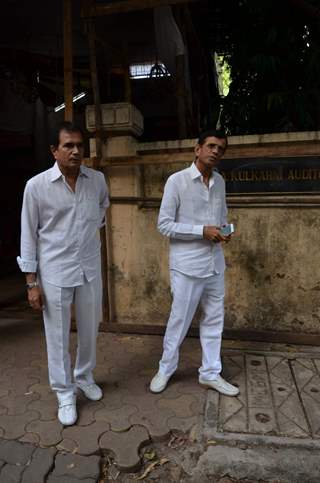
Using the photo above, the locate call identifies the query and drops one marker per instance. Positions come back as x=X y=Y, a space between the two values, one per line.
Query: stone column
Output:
x=122 y=123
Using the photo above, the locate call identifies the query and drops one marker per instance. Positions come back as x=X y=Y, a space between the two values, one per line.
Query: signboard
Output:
x=271 y=175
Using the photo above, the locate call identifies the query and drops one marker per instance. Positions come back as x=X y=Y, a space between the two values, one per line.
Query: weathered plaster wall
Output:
x=272 y=280
x=138 y=272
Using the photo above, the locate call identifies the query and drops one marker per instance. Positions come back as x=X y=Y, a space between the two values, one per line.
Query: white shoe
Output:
x=91 y=391
x=67 y=413
x=220 y=385
x=159 y=383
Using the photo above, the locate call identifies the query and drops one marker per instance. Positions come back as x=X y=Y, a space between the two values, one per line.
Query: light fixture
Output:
x=75 y=99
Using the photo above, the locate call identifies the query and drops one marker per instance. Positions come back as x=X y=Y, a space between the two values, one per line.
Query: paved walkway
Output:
x=279 y=402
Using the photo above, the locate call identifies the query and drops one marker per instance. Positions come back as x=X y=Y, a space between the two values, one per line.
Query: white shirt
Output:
x=187 y=206
x=60 y=228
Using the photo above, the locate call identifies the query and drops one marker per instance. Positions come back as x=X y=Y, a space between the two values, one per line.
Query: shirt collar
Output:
x=56 y=173
x=195 y=173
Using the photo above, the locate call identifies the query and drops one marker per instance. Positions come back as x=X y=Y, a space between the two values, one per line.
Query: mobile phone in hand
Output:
x=227 y=229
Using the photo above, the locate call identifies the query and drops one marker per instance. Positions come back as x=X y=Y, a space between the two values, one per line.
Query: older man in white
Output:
x=192 y=213
x=63 y=209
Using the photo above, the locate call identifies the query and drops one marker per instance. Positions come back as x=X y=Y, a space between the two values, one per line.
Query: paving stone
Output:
x=125 y=370
x=69 y=479
x=6 y=362
x=135 y=366
x=68 y=446
x=262 y=417
x=182 y=424
x=140 y=396
x=31 y=438
x=172 y=389
x=232 y=415
x=137 y=344
x=42 y=461
x=5 y=385
x=44 y=391
x=180 y=406
x=11 y=474
x=155 y=421
x=22 y=379
x=317 y=364
x=148 y=414
x=313 y=388
x=148 y=372
x=125 y=446
x=17 y=404
x=39 y=363
x=233 y=412
x=101 y=373
x=232 y=366
x=290 y=413
x=14 y=426
x=114 y=395
x=22 y=361
x=119 y=419
x=76 y=466
x=13 y=452
x=48 y=409
x=49 y=431
x=189 y=385
x=308 y=384
x=86 y=411
x=191 y=353
x=40 y=372
x=86 y=437
x=3 y=391
x=25 y=359
x=113 y=350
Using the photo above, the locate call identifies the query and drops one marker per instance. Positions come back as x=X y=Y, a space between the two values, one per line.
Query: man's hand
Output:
x=35 y=298
x=213 y=233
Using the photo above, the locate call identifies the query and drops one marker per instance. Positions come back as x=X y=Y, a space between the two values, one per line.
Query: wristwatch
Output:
x=32 y=285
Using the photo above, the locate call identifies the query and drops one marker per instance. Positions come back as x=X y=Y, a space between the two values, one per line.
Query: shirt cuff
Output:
x=27 y=266
x=198 y=230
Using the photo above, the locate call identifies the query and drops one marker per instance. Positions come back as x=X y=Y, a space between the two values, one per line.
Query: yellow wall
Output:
x=272 y=279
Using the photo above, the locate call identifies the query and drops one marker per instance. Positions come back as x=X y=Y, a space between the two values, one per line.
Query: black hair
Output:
x=212 y=132
x=63 y=126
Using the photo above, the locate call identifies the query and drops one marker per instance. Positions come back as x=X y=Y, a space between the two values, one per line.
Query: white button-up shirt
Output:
x=187 y=206
x=60 y=228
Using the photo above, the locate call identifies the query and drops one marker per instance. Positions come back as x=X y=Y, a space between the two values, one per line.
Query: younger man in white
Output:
x=192 y=211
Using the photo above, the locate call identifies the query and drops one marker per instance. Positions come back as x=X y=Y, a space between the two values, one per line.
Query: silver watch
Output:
x=32 y=285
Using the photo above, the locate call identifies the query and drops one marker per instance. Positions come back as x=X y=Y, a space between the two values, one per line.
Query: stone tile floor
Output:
x=280 y=399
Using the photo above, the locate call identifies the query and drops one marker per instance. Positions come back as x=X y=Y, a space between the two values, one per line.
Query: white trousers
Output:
x=187 y=293
x=87 y=299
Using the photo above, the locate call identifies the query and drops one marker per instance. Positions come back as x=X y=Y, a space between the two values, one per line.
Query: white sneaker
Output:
x=159 y=383
x=67 y=413
x=91 y=391
x=220 y=385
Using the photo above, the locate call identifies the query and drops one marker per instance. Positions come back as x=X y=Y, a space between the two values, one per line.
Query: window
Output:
x=148 y=69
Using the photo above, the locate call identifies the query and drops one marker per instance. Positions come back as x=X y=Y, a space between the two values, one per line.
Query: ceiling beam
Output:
x=126 y=6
